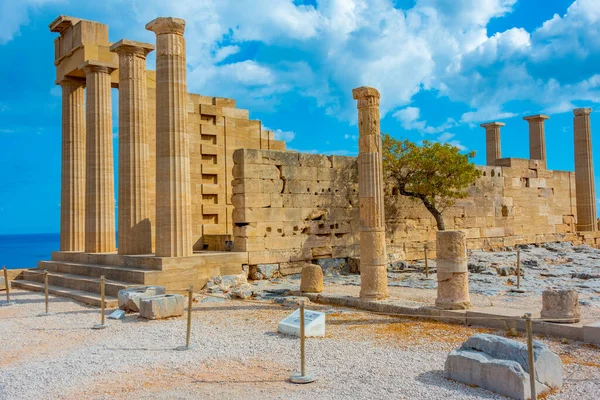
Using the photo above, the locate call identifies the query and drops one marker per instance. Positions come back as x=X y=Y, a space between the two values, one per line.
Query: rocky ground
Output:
x=239 y=354
x=492 y=278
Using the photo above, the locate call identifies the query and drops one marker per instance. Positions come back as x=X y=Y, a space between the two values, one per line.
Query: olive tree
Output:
x=435 y=173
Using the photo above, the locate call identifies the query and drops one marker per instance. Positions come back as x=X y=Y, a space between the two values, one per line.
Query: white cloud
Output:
x=286 y=136
x=409 y=118
x=15 y=13
x=323 y=52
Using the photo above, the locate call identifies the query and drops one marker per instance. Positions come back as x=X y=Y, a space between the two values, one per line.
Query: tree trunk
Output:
x=436 y=214
x=438 y=218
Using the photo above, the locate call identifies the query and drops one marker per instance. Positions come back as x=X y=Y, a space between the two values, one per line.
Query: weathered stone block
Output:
x=312 y=279
x=332 y=266
x=263 y=271
x=561 y=305
x=3 y=285
x=163 y=306
x=501 y=365
x=129 y=299
x=314 y=160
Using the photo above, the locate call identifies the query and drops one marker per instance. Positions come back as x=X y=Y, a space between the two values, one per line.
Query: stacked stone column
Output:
x=72 y=194
x=537 y=138
x=492 y=142
x=373 y=271
x=584 y=171
x=135 y=231
x=100 y=187
x=452 y=271
x=173 y=197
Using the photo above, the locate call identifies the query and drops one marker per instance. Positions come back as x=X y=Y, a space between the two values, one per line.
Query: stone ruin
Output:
x=196 y=175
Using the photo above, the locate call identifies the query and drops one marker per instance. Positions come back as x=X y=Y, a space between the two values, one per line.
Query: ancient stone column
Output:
x=72 y=193
x=452 y=272
x=492 y=142
x=585 y=190
x=100 y=186
x=373 y=260
x=135 y=230
x=173 y=197
x=537 y=138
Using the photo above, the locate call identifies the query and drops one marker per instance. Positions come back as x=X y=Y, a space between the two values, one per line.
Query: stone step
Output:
x=124 y=274
x=81 y=296
x=78 y=282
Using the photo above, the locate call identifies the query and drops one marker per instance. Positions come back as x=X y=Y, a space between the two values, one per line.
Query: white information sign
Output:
x=314 y=324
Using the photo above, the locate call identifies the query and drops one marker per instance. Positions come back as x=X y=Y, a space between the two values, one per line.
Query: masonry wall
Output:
x=216 y=129
x=292 y=207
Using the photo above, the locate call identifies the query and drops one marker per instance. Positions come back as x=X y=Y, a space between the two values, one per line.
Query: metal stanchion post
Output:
x=426 y=247
x=46 y=289
x=189 y=322
x=529 y=329
x=45 y=294
x=102 y=325
x=7 y=288
x=302 y=377
x=518 y=268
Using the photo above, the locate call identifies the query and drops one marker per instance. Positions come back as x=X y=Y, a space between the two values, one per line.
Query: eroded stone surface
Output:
x=312 y=279
x=162 y=306
x=501 y=365
x=129 y=299
x=561 y=305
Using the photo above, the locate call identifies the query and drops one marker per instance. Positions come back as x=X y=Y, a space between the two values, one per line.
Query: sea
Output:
x=24 y=251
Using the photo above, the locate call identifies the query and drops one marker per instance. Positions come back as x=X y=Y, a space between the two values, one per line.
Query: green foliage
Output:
x=435 y=173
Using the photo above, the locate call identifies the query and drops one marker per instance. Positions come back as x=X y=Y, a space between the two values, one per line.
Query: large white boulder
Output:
x=501 y=365
x=163 y=306
x=129 y=299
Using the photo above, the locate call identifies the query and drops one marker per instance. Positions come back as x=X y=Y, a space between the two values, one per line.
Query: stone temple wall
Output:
x=216 y=128
x=292 y=207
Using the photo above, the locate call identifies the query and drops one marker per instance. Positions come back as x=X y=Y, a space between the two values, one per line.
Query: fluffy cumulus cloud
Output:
x=260 y=51
x=324 y=51
x=16 y=13
x=279 y=134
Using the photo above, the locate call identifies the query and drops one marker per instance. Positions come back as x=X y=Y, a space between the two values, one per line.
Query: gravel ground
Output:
x=552 y=265
x=239 y=354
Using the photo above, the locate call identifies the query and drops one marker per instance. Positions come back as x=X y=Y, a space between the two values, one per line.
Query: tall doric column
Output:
x=373 y=260
x=492 y=142
x=585 y=190
x=173 y=197
x=537 y=138
x=100 y=185
x=72 y=194
x=135 y=230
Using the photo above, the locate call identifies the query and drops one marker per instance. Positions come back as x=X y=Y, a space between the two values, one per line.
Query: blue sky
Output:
x=442 y=67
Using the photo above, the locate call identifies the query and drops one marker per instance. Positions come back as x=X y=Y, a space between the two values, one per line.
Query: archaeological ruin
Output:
x=204 y=190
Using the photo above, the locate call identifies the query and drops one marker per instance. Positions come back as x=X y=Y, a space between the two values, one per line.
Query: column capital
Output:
x=365 y=92
x=163 y=25
x=125 y=46
x=488 y=125
x=71 y=82
x=582 y=111
x=536 y=117
x=97 y=66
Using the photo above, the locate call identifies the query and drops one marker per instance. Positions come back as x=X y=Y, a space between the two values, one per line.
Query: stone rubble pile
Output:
x=501 y=365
